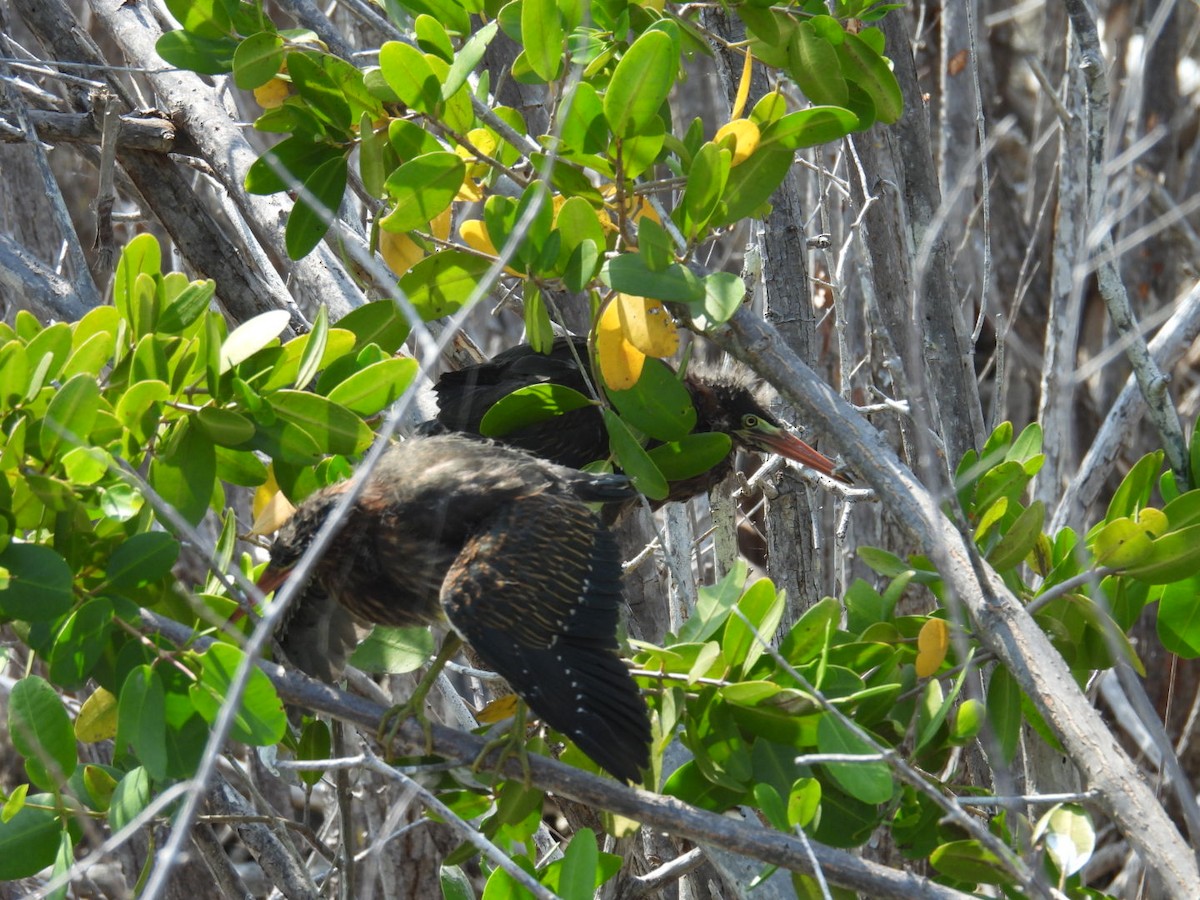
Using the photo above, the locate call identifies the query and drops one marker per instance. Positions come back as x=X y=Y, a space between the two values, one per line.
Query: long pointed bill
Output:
x=787 y=445
x=272 y=578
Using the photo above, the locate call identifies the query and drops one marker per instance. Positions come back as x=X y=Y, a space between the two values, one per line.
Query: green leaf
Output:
x=1004 y=711
x=90 y=357
x=389 y=650
x=252 y=336
x=691 y=455
x=432 y=37
x=70 y=415
x=408 y=73
x=528 y=406
x=80 y=642
x=14 y=373
x=451 y=13
x=752 y=183
x=1178 y=619
x=131 y=796
x=323 y=95
x=289 y=164
x=86 y=465
x=813 y=63
x=629 y=274
x=690 y=785
x=308 y=222
x=1134 y=490
x=205 y=56
x=185 y=473
x=142 y=559
x=723 y=295
x=577 y=880
x=373 y=153
x=870 y=72
x=314 y=348
x=542 y=37
x=869 y=782
x=260 y=720
x=1018 y=542
x=467 y=58
x=1121 y=543
x=803 y=802
x=970 y=861
x=1068 y=835
x=640 y=84
x=440 y=284
x=409 y=140
x=190 y=304
x=38 y=587
x=705 y=185
x=810 y=635
x=378 y=322
x=333 y=427
x=1174 y=556
x=257 y=60
x=539 y=330
x=762 y=607
x=633 y=459
x=421 y=189
x=29 y=840
x=808 y=128
x=41 y=732
x=141 y=720
x=376 y=387
x=315 y=743
x=659 y=405
x=713 y=605
x=224 y=426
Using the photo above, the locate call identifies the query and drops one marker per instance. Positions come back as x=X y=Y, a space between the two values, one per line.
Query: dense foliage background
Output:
x=239 y=240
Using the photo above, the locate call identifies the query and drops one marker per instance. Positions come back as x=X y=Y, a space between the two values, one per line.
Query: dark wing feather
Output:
x=536 y=592
x=318 y=635
x=573 y=439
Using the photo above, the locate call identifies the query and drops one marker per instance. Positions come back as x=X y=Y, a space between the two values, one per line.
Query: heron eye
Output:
x=749 y=421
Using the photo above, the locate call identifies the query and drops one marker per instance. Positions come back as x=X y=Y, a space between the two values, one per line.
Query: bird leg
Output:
x=510 y=743
x=414 y=706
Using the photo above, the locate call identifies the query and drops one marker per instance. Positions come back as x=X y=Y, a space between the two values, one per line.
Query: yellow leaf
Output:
x=399 y=251
x=647 y=325
x=932 y=644
x=272 y=94
x=498 y=710
x=474 y=235
x=482 y=142
x=745 y=138
x=440 y=226
x=620 y=362
x=469 y=191
x=739 y=102
x=277 y=510
x=97 y=719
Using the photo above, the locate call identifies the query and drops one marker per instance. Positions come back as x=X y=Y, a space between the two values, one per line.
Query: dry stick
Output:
x=1151 y=380
x=1002 y=624
x=1167 y=347
x=134 y=132
x=195 y=106
x=665 y=813
x=86 y=294
x=43 y=291
x=249 y=283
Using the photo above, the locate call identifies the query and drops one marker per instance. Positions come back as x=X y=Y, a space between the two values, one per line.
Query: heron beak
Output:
x=271 y=578
x=785 y=444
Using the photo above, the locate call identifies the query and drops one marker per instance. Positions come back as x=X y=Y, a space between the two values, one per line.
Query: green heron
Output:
x=505 y=547
x=724 y=402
